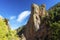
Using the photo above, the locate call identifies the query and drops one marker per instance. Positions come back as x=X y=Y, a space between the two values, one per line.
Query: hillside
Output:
x=54 y=21
x=49 y=25
x=5 y=32
x=42 y=25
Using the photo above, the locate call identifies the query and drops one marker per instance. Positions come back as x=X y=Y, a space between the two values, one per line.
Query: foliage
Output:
x=12 y=35
x=54 y=22
x=5 y=33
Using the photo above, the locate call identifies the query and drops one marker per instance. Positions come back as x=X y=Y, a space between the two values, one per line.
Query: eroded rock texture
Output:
x=36 y=28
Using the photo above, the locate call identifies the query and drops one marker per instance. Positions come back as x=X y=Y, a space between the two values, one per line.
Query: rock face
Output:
x=36 y=28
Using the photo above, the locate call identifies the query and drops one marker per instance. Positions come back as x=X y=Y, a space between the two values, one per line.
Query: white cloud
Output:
x=23 y=15
x=12 y=17
x=1 y=16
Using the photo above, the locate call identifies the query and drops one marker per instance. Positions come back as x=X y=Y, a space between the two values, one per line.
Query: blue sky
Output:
x=18 y=11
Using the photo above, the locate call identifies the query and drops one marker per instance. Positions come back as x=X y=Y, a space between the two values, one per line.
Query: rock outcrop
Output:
x=36 y=28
